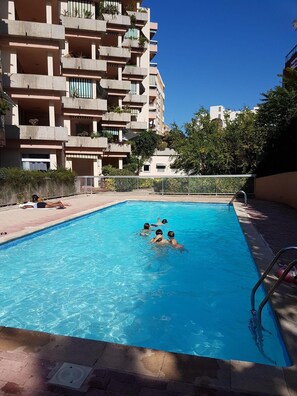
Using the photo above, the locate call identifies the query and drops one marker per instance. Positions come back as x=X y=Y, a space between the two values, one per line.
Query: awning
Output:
x=82 y=156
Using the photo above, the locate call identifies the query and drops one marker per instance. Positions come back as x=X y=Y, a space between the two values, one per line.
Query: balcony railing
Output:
x=115 y=85
x=84 y=24
x=84 y=64
x=131 y=98
x=35 y=81
x=130 y=70
x=81 y=141
x=84 y=104
x=115 y=52
x=37 y=132
x=32 y=30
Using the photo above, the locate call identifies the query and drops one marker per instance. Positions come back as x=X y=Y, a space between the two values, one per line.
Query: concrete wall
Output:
x=278 y=188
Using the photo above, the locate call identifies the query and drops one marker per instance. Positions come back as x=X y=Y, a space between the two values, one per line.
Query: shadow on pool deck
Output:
x=28 y=359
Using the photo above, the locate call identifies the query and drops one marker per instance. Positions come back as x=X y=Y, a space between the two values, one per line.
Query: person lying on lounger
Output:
x=39 y=204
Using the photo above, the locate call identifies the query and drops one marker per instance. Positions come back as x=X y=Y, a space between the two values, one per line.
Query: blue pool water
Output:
x=95 y=277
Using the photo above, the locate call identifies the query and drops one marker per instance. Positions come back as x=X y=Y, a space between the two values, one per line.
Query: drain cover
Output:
x=70 y=375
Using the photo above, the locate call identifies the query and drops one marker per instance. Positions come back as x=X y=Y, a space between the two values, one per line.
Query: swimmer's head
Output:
x=146 y=226
x=159 y=232
x=164 y=221
x=170 y=234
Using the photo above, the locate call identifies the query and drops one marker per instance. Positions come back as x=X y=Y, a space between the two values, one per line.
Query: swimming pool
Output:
x=96 y=277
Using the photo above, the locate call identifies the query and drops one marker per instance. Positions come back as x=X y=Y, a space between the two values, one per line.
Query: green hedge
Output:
x=204 y=185
x=18 y=185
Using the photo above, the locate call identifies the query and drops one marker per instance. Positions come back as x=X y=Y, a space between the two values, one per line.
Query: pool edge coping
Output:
x=231 y=368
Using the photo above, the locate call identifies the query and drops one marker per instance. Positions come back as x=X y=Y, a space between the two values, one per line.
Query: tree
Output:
x=201 y=147
x=244 y=142
x=143 y=147
x=277 y=121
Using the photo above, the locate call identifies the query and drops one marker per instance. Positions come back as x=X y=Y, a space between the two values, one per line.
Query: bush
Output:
x=18 y=185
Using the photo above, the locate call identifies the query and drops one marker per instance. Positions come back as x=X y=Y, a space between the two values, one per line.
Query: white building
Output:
x=159 y=164
x=218 y=112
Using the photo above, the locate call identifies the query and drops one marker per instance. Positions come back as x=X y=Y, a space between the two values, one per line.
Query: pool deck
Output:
x=28 y=359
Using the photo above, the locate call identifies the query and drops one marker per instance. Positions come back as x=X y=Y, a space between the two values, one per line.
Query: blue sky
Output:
x=220 y=52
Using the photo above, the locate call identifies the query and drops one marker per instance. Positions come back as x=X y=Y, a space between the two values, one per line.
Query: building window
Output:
x=160 y=167
x=146 y=168
x=134 y=88
x=80 y=88
x=39 y=162
x=134 y=114
x=79 y=9
x=132 y=34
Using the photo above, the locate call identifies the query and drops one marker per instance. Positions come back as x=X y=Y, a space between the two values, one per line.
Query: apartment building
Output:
x=157 y=100
x=218 y=112
x=78 y=72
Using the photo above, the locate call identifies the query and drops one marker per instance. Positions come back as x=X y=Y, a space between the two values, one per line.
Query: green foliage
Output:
x=143 y=146
x=109 y=170
x=108 y=8
x=277 y=122
x=201 y=150
x=4 y=107
x=18 y=184
x=203 y=185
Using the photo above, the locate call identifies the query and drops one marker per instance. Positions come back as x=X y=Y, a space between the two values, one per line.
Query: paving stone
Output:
x=155 y=392
x=12 y=388
x=182 y=388
x=95 y=392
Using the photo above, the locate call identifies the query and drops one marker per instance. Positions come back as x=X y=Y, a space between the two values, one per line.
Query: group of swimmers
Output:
x=159 y=237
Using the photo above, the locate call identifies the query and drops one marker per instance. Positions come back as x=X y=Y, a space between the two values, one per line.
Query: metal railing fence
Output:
x=168 y=185
x=163 y=185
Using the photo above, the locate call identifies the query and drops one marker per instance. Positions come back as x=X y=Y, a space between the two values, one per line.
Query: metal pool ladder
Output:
x=256 y=314
x=235 y=195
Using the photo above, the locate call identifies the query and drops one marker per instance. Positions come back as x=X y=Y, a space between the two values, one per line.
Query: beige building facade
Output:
x=78 y=72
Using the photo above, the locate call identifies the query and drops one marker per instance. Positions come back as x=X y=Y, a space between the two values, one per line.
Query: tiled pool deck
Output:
x=28 y=359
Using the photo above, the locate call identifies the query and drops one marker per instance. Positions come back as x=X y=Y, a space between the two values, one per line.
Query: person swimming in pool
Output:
x=146 y=230
x=172 y=241
x=159 y=222
x=159 y=238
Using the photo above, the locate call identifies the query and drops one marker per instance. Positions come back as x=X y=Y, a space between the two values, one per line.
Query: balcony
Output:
x=117 y=19
x=118 y=148
x=153 y=27
x=135 y=71
x=140 y=17
x=93 y=65
x=137 y=125
x=37 y=132
x=153 y=93
x=115 y=85
x=153 y=47
x=84 y=104
x=35 y=81
x=113 y=119
x=140 y=99
x=121 y=54
x=140 y=43
x=93 y=25
x=32 y=30
x=82 y=141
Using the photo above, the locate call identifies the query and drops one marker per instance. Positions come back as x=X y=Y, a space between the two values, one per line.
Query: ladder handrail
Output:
x=235 y=194
x=266 y=272
x=273 y=288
